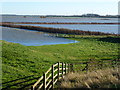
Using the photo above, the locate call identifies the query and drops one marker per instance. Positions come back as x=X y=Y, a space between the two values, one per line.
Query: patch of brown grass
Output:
x=106 y=78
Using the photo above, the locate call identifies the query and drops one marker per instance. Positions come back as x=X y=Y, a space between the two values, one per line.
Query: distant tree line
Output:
x=83 y=15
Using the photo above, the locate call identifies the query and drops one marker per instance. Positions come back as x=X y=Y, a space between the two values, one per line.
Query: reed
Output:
x=94 y=79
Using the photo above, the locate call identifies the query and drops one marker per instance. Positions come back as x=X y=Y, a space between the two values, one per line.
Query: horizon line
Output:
x=61 y=14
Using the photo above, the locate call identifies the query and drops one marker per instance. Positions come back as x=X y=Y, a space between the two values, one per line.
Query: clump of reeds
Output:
x=106 y=78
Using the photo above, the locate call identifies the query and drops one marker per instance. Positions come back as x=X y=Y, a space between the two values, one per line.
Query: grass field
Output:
x=23 y=65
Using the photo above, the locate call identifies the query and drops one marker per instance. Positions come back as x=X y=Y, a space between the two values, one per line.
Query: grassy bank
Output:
x=23 y=65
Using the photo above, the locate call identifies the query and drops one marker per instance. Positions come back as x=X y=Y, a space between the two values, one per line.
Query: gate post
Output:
x=44 y=81
x=58 y=70
x=52 y=76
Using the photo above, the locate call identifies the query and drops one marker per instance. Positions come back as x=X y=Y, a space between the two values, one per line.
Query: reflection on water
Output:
x=88 y=27
x=31 y=38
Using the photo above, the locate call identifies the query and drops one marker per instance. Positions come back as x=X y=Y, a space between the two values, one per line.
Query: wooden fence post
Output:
x=46 y=84
x=62 y=69
x=71 y=68
x=58 y=70
x=65 y=68
x=52 y=76
x=68 y=68
x=86 y=66
x=100 y=64
x=44 y=81
x=32 y=87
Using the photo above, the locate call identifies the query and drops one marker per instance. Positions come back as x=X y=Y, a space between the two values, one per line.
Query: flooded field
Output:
x=31 y=38
x=57 y=19
x=35 y=38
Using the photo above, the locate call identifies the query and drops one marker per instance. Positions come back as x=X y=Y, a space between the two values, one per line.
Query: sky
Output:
x=59 y=7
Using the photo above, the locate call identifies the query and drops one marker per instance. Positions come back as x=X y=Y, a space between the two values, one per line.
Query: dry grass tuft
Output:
x=106 y=78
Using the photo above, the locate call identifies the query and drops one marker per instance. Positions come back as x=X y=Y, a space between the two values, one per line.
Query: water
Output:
x=87 y=27
x=57 y=19
x=34 y=38
x=31 y=38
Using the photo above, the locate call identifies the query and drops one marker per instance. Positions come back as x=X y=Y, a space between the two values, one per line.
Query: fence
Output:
x=50 y=77
x=58 y=70
x=94 y=65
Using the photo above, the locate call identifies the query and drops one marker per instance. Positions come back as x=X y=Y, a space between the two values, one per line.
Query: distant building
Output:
x=90 y=15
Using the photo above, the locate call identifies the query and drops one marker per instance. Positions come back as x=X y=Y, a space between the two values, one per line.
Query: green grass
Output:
x=23 y=65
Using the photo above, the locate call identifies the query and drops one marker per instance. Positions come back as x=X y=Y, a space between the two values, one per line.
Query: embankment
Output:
x=55 y=30
x=58 y=23
x=23 y=65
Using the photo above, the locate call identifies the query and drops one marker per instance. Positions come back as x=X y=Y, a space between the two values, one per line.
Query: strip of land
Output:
x=55 y=30
x=58 y=23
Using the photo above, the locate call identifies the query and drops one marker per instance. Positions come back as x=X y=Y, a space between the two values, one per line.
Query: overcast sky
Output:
x=59 y=7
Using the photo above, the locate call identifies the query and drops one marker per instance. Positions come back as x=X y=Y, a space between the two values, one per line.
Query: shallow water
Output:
x=88 y=27
x=31 y=38
x=57 y=19
x=35 y=38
